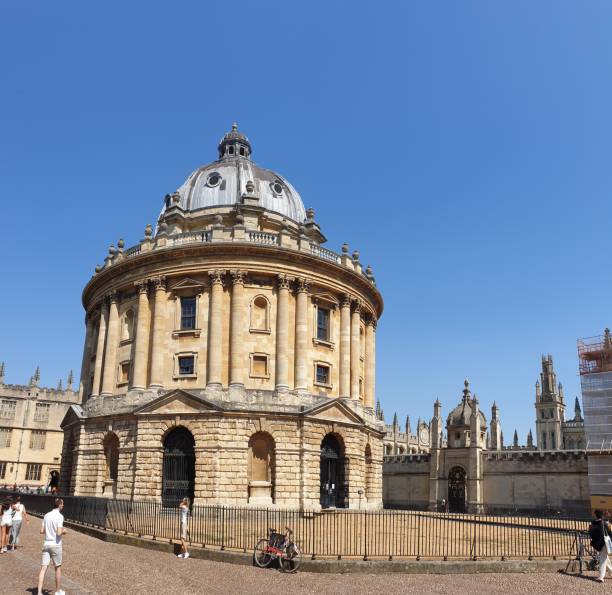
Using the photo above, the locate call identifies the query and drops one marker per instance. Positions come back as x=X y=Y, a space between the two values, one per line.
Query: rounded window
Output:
x=277 y=187
x=213 y=180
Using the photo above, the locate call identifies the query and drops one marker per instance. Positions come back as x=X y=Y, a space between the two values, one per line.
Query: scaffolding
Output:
x=595 y=364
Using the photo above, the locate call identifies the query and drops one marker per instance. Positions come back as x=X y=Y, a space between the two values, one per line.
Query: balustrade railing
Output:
x=262 y=237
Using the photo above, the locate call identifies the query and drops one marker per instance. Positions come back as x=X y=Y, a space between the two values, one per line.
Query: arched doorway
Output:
x=333 y=488
x=111 y=458
x=261 y=468
x=456 y=490
x=178 y=476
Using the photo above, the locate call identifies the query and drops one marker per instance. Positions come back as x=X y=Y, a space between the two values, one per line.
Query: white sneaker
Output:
x=60 y=592
x=180 y=555
x=186 y=555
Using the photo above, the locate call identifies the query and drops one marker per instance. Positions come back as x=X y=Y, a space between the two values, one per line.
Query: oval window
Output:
x=213 y=180
x=277 y=187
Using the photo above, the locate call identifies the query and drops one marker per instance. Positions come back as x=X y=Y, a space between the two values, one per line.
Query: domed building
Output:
x=229 y=356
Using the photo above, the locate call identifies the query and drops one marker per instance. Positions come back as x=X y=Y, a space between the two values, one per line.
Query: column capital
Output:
x=112 y=297
x=345 y=300
x=284 y=281
x=303 y=285
x=216 y=276
x=357 y=306
x=370 y=320
x=238 y=277
x=142 y=286
x=159 y=283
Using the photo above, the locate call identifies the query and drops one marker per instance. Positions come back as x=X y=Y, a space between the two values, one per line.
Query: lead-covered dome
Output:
x=461 y=415
x=227 y=181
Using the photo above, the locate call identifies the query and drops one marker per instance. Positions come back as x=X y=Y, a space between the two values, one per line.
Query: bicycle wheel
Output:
x=261 y=557
x=290 y=562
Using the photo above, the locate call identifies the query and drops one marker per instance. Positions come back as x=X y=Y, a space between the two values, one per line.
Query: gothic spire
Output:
x=515 y=439
x=395 y=424
x=577 y=411
x=60 y=385
x=36 y=378
x=1 y=372
x=408 y=428
x=70 y=380
x=530 y=439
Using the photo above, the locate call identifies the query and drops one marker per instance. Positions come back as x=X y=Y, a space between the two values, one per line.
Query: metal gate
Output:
x=178 y=467
x=332 y=474
x=456 y=490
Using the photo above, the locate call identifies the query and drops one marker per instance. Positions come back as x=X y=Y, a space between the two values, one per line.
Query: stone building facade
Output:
x=468 y=468
x=229 y=356
x=30 y=434
x=406 y=441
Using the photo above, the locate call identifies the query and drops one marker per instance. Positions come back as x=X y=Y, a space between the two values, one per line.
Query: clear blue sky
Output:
x=462 y=147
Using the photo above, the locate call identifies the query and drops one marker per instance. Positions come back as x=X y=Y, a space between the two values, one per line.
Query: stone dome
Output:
x=225 y=182
x=462 y=414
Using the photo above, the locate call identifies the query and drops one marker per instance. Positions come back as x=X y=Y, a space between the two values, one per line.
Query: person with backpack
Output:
x=600 y=533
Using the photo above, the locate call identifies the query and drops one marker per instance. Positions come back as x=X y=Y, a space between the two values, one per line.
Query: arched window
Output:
x=111 y=456
x=178 y=471
x=333 y=485
x=260 y=315
x=127 y=326
x=369 y=475
x=261 y=469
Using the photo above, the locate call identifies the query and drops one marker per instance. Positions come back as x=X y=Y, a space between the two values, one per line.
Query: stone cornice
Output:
x=171 y=261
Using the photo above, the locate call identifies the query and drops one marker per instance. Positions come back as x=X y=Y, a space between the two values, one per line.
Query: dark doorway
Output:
x=333 y=488
x=54 y=479
x=456 y=490
x=178 y=467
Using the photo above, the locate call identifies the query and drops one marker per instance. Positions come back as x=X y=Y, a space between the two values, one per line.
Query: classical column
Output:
x=301 y=334
x=215 y=328
x=85 y=362
x=159 y=322
x=370 y=361
x=345 y=346
x=109 y=377
x=282 y=334
x=237 y=328
x=355 y=350
x=141 y=349
x=95 y=389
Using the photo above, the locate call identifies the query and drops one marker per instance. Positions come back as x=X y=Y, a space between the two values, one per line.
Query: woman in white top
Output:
x=184 y=512
x=19 y=515
x=6 y=521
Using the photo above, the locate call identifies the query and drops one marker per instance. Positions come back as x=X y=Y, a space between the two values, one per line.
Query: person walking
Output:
x=184 y=512
x=600 y=532
x=19 y=515
x=6 y=522
x=53 y=530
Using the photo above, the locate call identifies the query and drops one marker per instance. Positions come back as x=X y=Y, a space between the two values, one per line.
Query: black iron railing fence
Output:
x=381 y=534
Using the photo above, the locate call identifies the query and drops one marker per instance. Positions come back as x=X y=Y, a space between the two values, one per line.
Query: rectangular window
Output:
x=7 y=408
x=188 y=313
x=322 y=376
x=259 y=366
x=41 y=413
x=186 y=365
x=5 y=437
x=33 y=471
x=124 y=373
x=2 y=470
x=322 y=324
x=38 y=438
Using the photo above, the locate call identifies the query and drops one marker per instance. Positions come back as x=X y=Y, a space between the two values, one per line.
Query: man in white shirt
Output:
x=53 y=530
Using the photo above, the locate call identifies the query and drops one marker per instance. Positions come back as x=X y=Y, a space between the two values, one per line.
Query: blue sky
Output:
x=462 y=147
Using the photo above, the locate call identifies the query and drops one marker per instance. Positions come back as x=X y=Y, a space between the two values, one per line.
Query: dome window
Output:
x=213 y=180
x=277 y=187
x=231 y=150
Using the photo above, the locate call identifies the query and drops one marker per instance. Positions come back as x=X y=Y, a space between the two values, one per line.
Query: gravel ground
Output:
x=93 y=566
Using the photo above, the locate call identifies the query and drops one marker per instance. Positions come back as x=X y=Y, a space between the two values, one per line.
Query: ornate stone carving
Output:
x=284 y=282
x=357 y=305
x=345 y=300
x=142 y=286
x=159 y=283
x=238 y=277
x=216 y=276
x=303 y=285
x=112 y=296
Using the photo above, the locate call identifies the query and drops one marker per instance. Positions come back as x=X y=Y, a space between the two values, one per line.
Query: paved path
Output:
x=93 y=566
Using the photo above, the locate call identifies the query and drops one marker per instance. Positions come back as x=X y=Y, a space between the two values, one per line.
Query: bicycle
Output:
x=279 y=547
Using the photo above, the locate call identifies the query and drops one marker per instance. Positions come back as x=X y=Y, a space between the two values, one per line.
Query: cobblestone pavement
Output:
x=93 y=566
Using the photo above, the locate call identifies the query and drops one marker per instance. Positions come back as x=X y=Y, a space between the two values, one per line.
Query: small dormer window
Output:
x=242 y=151
x=213 y=180
x=231 y=150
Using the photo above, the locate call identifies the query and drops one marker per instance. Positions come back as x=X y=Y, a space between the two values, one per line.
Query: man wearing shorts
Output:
x=53 y=530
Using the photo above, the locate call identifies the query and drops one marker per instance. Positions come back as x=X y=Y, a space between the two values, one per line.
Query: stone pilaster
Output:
x=282 y=334
x=85 y=362
x=345 y=346
x=141 y=349
x=301 y=334
x=95 y=389
x=109 y=377
x=237 y=327
x=215 y=329
x=355 y=350
x=370 y=362
x=159 y=321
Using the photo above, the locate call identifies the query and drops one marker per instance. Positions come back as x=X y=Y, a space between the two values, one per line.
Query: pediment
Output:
x=177 y=402
x=325 y=297
x=73 y=414
x=335 y=411
x=187 y=284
